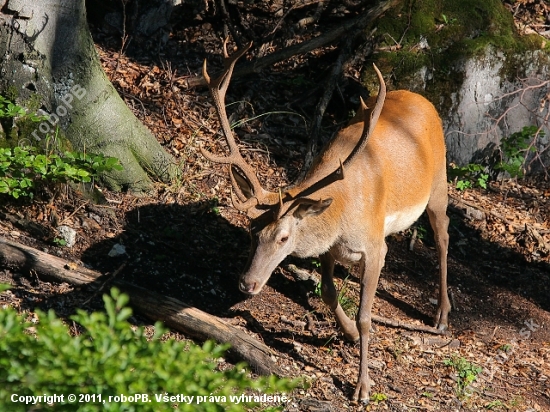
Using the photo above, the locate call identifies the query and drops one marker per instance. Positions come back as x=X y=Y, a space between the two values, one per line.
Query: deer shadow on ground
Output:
x=187 y=252
x=191 y=253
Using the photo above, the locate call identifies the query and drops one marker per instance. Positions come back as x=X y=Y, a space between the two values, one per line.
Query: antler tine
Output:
x=243 y=206
x=374 y=115
x=218 y=88
x=338 y=174
x=229 y=64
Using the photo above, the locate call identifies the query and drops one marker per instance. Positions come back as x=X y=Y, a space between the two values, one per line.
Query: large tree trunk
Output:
x=46 y=50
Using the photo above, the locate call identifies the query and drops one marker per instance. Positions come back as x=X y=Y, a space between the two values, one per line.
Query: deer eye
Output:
x=283 y=239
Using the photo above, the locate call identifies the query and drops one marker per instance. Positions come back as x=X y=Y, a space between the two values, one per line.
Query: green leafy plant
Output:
x=23 y=169
x=469 y=176
x=496 y=404
x=466 y=373
x=11 y=110
x=110 y=359
x=421 y=231
x=505 y=347
x=376 y=398
x=447 y=20
x=215 y=206
x=58 y=241
x=515 y=149
x=318 y=291
x=348 y=304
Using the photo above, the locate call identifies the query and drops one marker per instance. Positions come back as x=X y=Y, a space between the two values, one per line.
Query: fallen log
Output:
x=172 y=312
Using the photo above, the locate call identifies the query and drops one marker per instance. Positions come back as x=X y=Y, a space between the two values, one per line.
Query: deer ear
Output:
x=311 y=207
x=242 y=183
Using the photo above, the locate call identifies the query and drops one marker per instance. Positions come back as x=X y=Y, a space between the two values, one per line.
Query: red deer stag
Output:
x=393 y=169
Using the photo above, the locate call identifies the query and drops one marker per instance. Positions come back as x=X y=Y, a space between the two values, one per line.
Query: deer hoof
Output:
x=442 y=326
x=440 y=321
x=351 y=337
x=361 y=393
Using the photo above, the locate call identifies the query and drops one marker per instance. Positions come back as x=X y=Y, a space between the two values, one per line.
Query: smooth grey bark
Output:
x=46 y=50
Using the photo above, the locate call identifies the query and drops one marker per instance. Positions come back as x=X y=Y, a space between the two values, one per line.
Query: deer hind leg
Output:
x=330 y=297
x=437 y=213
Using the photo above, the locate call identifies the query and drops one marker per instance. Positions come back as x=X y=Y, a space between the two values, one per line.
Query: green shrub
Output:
x=466 y=374
x=23 y=168
x=469 y=176
x=515 y=149
x=8 y=109
x=110 y=359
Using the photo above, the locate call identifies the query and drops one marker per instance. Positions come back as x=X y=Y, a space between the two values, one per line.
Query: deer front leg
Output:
x=371 y=265
x=330 y=297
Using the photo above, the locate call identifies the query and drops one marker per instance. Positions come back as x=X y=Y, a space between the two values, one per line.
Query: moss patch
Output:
x=437 y=33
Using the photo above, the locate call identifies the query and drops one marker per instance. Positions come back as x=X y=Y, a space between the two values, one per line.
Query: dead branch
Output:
x=466 y=209
x=320 y=41
x=312 y=19
x=174 y=313
x=329 y=87
x=432 y=341
x=303 y=275
x=408 y=326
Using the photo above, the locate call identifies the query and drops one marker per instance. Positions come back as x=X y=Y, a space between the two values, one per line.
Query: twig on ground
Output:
x=74 y=212
x=408 y=326
x=296 y=323
x=311 y=19
x=108 y=280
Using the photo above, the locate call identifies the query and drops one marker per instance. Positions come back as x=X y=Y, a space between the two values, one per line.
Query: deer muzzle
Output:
x=250 y=288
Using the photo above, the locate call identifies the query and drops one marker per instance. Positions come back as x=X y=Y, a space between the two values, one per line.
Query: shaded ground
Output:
x=187 y=242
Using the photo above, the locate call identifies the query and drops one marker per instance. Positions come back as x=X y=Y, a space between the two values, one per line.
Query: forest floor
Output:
x=187 y=242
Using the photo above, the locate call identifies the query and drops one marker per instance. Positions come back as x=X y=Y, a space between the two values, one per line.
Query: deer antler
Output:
x=218 y=88
x=338 y=174
x=374 y=116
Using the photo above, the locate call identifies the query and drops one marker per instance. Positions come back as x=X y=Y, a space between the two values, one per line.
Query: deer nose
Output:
x=247 y=288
